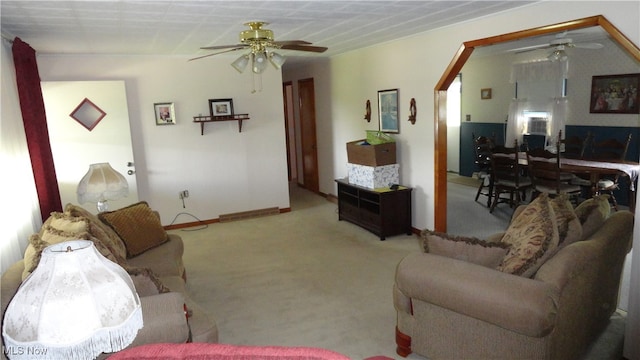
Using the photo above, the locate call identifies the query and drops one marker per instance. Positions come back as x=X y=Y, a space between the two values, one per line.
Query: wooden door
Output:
x=306 y=96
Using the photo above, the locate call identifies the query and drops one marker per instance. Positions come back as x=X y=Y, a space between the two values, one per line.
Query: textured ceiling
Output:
x=180 y=28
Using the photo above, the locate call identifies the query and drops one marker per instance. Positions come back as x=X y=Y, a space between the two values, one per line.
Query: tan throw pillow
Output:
x=593 y=213
x=531 y=234
x=146 y=282
x=138 y=227
x=569 y=227
x=37 y=243
x=99 y=230
x=468 y=249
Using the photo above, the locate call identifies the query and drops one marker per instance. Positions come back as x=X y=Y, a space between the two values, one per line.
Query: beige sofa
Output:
x=134 y=238
x=458 y=305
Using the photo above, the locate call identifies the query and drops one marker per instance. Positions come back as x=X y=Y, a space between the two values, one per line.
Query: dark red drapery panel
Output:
x=35 y=126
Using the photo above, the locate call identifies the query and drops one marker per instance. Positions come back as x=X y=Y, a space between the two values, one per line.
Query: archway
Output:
x=460 y=58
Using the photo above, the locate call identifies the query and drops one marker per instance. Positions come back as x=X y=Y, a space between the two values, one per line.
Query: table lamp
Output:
x=102 y=183
x=76 y=304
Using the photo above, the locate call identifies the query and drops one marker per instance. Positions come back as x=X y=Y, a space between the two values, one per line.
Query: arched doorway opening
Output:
x=460 y=58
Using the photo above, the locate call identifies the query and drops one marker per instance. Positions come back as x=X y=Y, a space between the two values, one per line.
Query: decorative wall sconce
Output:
x=412 y=111
x=367 y=111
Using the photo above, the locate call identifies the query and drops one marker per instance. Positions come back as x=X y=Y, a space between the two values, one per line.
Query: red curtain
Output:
x=35 y=126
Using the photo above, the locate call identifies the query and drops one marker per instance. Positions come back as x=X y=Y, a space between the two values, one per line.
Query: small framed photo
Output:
x=485 y=94
x=615 y=94
x=388 y=111
x=165 y=113
x=221 y=107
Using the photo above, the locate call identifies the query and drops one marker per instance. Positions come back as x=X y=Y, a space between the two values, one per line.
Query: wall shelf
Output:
x=207 y=119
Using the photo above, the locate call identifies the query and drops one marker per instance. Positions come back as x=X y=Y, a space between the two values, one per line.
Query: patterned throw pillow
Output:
x=569 y=227
x=138 y=227
x=468 y=249
x=531 y=234
x=593 y=213
x=100 y=230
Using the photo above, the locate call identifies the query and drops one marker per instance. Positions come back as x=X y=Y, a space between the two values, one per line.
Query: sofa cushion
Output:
x=146 y=282
x=99 y=230
x=470 y=249
x=592 y=213
x=531 y=234
x=138 y=227
x=164 y=260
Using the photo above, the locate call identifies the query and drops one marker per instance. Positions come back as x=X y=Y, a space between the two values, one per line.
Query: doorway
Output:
x=290 y=132
x=308 y=143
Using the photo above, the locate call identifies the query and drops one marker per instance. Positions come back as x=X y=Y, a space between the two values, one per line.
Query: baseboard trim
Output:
x=249 y=214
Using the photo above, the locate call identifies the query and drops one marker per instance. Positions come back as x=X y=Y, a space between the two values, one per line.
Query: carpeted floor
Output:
x=304 y=278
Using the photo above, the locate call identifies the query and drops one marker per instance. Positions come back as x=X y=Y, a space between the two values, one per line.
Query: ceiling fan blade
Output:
x=220 y=52
x=528 y=48
x=317 y=49
x=219 y=47
x=588 y=45
x=291 y=42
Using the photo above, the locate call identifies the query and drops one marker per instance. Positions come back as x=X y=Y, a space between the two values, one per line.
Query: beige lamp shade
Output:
x=77 y=304
x=102 y=183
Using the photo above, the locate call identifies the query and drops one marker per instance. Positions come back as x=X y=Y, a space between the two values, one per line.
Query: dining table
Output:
x=596 y=169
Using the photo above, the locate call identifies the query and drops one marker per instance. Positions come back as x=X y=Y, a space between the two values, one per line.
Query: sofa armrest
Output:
x=164 y=320
x=512 y=302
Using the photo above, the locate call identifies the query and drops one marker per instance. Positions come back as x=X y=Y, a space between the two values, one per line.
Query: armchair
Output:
x=453 y=309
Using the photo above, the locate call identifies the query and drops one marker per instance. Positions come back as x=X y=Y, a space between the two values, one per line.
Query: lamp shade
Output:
x=77 y=304
x=102 y=183
x=276 y=60
x=259 y=62
x=241 y=63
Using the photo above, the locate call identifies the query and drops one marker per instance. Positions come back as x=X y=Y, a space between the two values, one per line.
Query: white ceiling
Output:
x=180 y=28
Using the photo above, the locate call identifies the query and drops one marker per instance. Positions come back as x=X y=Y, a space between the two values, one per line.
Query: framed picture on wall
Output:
x=388 y=111
x=165 y=113
x=615 y=94
x=221 y=107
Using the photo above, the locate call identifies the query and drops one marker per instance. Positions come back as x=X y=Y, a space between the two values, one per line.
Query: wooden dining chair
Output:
x=574 y=147
x=611 y=150
x=482 y=147
x=508 y=177
x=543 y=167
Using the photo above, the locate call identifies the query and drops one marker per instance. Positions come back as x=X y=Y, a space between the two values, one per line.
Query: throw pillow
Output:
x=138 y=227
x=468 y=249
x=593 y=213
x=531 y=234
x=146 y=282
x=100 y=230
x=38 y=242
x=569 y=227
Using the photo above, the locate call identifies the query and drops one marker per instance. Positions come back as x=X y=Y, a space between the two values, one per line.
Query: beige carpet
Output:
x=298 y=279
x=305 y=279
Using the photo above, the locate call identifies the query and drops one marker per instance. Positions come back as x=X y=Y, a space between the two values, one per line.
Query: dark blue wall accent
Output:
x=467 y=129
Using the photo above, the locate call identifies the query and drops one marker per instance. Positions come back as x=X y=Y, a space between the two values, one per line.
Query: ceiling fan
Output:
x=260 y=41
x=559 y=45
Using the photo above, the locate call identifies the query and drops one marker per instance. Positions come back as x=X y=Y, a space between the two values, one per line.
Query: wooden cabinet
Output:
x=384 y=212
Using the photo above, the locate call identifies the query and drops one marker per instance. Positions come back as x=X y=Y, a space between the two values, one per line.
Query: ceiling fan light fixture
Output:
x=558 y=55
x=241 y=63
x=276 y=60
x=259 y=62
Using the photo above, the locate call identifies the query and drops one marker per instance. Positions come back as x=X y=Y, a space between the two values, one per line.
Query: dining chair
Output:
x=610 y=149
x=543 y=167
x=574 y=147
x=482 y=147
x=508 y=177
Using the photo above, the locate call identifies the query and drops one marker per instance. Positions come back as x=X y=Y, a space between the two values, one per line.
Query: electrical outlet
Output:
x=183 y=194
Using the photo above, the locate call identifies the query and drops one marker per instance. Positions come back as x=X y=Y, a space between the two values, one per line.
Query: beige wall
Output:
x=225 y=171
x=414 y=65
